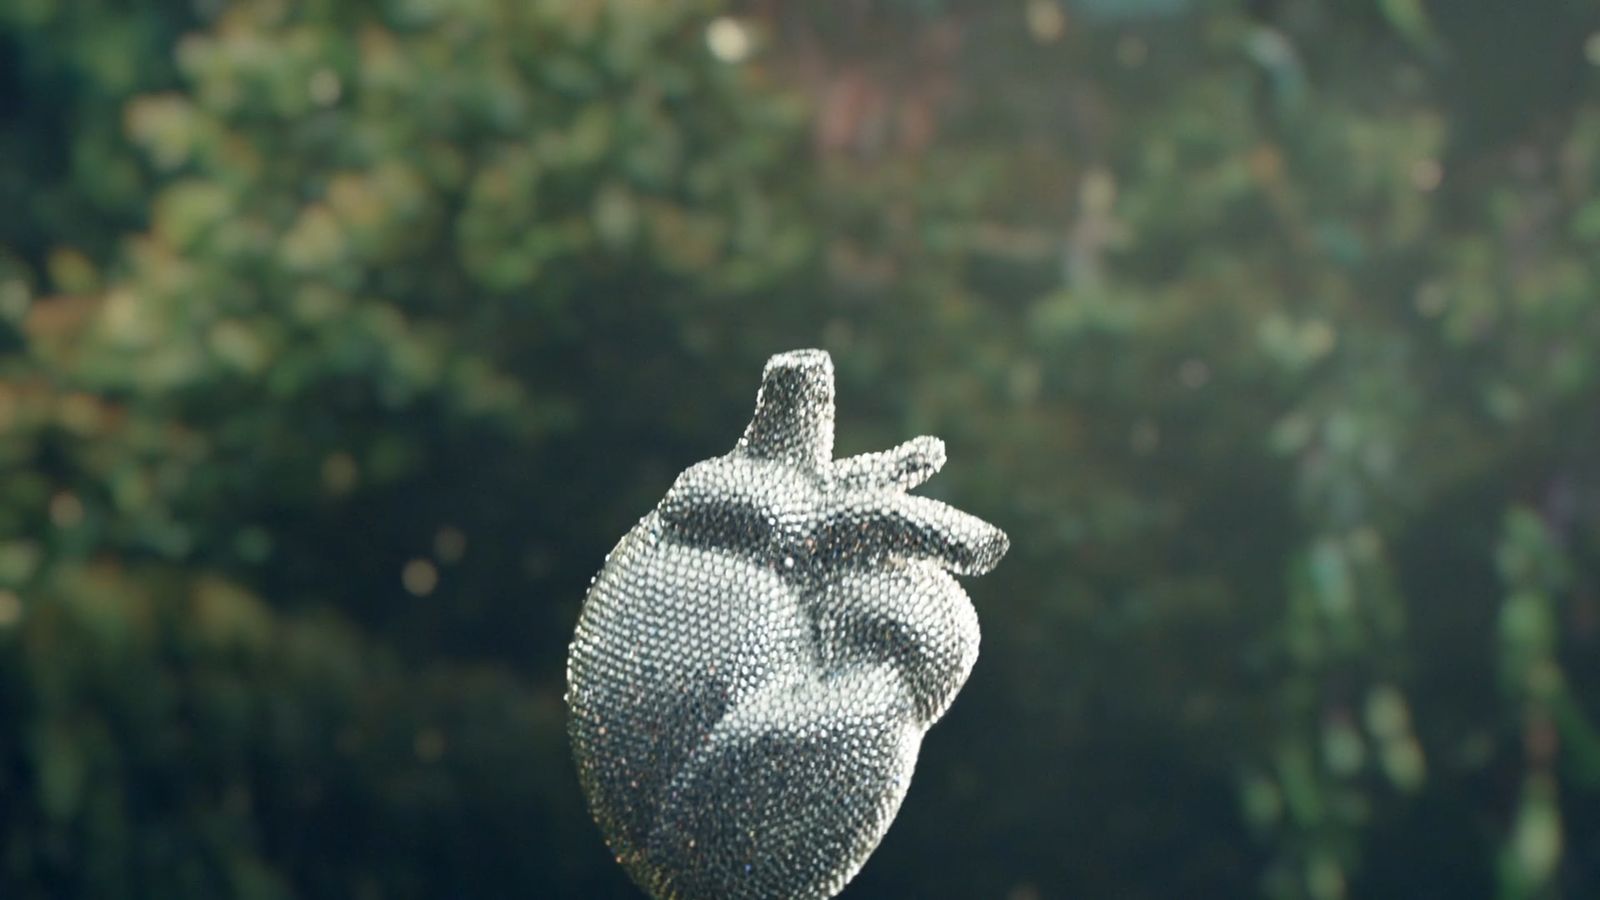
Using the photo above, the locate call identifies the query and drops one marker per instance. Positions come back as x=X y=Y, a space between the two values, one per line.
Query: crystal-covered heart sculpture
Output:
x=757 y=661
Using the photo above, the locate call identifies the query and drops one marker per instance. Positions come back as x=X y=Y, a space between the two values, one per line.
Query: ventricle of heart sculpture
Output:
x=757 y=661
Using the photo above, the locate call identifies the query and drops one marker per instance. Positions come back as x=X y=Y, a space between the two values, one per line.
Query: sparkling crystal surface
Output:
x=757 y=661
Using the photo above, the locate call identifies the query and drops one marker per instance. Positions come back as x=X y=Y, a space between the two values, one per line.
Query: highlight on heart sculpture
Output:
x=757 y=661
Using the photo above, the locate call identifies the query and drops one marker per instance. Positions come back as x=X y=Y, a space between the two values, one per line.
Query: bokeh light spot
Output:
x=1046 y=22
x=339 y=473
x=66 y=510
x=449 y=544
x=728 y=40
x=420 y=577
x=10 y=609
x=325 y=87
x=1427 y=174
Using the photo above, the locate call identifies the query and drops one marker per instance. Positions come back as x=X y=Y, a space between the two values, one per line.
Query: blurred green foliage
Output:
x=339 y=340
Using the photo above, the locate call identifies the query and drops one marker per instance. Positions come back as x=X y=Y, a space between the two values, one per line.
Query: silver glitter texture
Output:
x=759 y=658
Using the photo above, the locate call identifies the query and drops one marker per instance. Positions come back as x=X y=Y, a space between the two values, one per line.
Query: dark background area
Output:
x=339 y=341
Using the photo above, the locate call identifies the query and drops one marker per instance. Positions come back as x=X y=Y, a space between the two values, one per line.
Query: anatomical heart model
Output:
x=757 y=662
